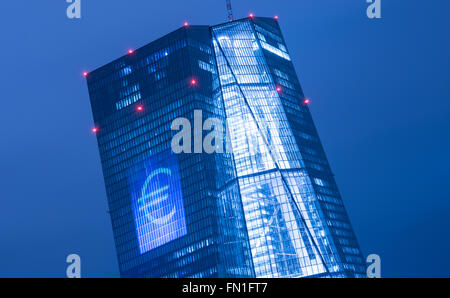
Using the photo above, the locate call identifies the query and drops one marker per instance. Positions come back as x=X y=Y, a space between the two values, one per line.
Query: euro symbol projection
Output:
x=149 y=199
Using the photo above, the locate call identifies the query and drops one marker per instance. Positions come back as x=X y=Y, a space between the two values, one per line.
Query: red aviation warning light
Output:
x=279 y=89
x=130 y=51
x=193 y=82
x=139 y=108
x=85 y=74
x=251 y=15
x=186 y=24
x=276 y=17
x=306 y=101
x=94 y=129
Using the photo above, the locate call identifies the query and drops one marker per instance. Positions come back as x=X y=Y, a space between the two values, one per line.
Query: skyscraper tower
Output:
x=268 y=207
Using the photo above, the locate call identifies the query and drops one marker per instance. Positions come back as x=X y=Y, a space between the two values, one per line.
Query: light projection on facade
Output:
x=157 y=202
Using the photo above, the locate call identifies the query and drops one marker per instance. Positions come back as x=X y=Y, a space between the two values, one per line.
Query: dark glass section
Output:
x=135 y=99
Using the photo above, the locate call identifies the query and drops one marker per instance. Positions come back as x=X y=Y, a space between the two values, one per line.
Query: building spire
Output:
x=230 y=11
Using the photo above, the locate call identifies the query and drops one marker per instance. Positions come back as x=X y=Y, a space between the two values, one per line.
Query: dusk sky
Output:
x=380 y=98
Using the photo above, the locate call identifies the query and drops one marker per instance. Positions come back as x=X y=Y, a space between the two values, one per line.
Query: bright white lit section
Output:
x=206 y=66
x=125 y=71
x=275 y=51
x=261 y=139
x=128 y=101
x=129 y=96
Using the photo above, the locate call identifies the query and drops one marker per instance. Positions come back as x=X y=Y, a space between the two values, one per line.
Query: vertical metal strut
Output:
x=230 y=11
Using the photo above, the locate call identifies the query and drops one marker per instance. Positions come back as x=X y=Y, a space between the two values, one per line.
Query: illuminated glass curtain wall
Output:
x=288 y=232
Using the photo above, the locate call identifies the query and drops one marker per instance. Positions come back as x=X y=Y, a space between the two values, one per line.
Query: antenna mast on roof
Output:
x=230 y=11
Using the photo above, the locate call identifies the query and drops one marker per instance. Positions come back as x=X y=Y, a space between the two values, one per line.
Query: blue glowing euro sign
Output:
x=157 y=202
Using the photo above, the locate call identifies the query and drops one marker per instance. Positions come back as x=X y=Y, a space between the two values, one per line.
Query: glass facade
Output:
x=268 y=207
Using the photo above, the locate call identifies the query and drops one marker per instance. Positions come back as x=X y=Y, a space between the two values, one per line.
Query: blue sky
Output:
x=380 y=92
